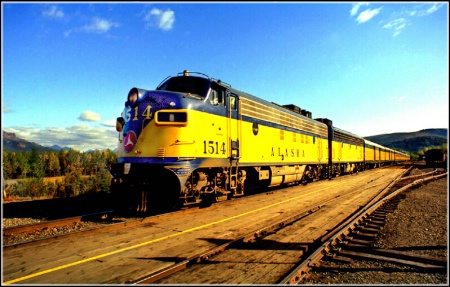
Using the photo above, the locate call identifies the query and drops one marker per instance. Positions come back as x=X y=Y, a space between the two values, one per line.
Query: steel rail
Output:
x=50 y=223
x=341 y=231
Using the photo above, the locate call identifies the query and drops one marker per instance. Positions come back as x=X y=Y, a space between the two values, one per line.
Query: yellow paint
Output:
x=344 y=152
x=206 y=134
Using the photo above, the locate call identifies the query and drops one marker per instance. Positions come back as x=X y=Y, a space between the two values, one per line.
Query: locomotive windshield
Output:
x=192 y=85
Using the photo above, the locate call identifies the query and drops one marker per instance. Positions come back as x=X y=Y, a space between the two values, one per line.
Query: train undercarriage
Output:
x=157 y=189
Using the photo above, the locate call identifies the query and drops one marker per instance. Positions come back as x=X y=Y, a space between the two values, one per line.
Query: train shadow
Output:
x=54 y=208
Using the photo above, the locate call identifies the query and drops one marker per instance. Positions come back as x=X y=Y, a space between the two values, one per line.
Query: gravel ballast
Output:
x=419 y=225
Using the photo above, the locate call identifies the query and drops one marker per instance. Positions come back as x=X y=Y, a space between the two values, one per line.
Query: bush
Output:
x=73 y=184
x=30 y=188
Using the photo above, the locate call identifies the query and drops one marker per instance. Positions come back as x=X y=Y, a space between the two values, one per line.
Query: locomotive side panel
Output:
x=272 y=136
x=276 y=146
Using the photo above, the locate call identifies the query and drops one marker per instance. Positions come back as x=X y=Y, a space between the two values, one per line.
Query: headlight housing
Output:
x=171 y=117
x=134 y=95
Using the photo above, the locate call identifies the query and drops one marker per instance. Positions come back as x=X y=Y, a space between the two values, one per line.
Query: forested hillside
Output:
x=12 y=143
x=412 y=142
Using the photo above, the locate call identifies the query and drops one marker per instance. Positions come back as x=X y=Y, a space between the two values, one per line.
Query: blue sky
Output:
x=371 y=67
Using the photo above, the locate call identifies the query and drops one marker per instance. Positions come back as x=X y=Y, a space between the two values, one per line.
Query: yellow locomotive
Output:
x=197 y=139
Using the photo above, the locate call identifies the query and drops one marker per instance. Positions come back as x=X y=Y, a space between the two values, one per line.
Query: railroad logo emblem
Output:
x=129 y=141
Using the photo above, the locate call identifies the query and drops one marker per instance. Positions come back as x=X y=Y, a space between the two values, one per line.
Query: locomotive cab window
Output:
x=233 y=103
x=216 y=96
x=190 y=85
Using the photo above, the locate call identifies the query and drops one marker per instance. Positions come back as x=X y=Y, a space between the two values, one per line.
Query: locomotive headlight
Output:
x=134 y=95
x=119 y=124
x=171 y=117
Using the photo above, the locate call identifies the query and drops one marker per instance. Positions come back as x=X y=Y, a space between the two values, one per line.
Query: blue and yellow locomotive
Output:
x=197 y=139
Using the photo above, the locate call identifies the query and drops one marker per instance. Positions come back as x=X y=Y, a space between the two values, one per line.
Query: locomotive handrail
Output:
x=178 y=142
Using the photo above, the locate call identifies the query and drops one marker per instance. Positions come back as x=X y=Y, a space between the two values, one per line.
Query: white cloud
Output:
x=109 y=123
x=403 y=19
x=162 y=19
x=397 y=25
x=5 y=108
x=424 y=9
x=53 y=12
x=367 y=15
x=356 y=6
x=397 y=99
x=67 y=33
x=99 y=26
x=89 y=116
x=433 y=8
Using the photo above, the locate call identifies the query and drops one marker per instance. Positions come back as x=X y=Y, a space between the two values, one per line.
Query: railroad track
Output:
x=47 y=224
x=354 y=234
x=95 y=220
x=104 y=220
x=360 y=231
x=172 y=226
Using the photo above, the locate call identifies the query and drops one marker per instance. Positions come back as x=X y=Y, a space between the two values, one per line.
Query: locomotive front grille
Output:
x=161 y=152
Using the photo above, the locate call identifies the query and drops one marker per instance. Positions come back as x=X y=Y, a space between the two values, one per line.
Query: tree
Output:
x=62 y=157
x=54 y=168
x=7 y=165
x=37 y=164
x=21 y=164
x=73 y=158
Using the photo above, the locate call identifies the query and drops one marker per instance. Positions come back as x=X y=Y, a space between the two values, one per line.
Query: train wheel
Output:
x=165 y=197
x=142 y=202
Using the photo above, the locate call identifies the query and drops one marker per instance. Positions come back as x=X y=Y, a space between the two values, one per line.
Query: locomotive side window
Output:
x=216 y=97
x=232 y=102
x=213 y=97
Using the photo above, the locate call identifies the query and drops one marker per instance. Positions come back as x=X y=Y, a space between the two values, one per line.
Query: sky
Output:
x=371 y=67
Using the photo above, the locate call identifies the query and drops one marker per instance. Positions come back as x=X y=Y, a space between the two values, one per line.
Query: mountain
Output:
x=58 y=148
x=412 y=142
x=12 y=143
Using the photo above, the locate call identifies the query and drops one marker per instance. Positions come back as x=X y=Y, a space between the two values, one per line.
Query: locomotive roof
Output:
x=271 y=104
x=347 y=132
x=242 y=94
